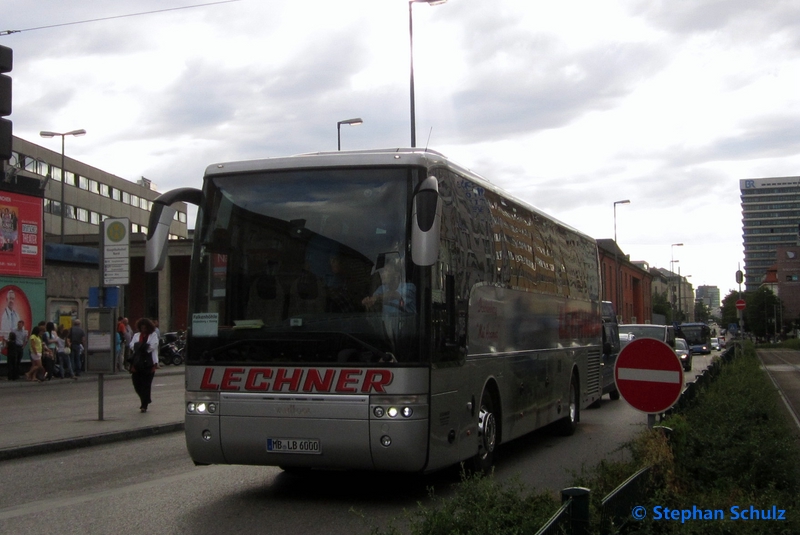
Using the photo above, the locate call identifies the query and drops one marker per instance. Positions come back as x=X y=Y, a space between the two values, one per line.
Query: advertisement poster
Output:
x=21 y=235
x=20 y=300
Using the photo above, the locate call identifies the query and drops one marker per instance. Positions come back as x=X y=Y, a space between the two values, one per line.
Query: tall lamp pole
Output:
x=411 y=49
x=48 y=134
x=626 y=201
x=352 y=122
x=617 y=274
x=672 y=273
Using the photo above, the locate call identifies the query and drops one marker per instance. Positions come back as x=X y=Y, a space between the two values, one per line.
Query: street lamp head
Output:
x=47 y=133
x=429 y=2
x=626 y=201
x=677 y=245
x=352 y=122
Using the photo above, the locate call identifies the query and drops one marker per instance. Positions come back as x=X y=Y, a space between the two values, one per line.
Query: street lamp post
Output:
x=352 y=122
x=672 y=273
x=411 y=49
x=49 y=134
x=617 y=275
x=626 y=201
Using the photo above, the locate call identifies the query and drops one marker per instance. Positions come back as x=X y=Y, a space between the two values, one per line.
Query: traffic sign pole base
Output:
x=651 y=420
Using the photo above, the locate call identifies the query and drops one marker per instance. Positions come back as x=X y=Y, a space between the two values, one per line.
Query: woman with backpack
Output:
x=63 y=351
x=50 y=349
x=144 y=360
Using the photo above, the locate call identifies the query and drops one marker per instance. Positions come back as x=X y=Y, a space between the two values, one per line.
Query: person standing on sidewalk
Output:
x=36 y=357
x=127 y=335
x=144 y=340
x=63 y=350
x=77 y=339
x=50 y=349
x=16 y=345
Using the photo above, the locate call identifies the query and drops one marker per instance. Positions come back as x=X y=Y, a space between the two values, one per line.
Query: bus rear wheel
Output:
x=487 y=436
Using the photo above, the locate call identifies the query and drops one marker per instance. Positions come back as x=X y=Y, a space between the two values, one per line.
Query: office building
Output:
x=770 y=218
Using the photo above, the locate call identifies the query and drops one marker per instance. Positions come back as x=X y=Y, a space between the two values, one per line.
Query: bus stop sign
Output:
x=649 y=375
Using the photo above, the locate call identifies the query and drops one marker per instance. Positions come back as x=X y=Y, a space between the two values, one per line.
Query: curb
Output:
x=87 y=377
x=92 y=440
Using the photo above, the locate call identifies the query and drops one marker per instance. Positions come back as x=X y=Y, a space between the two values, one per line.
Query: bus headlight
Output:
x=398 y=406
x=202 y=407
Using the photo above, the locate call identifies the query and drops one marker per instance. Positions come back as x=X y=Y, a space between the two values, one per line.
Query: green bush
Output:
x=481 y=506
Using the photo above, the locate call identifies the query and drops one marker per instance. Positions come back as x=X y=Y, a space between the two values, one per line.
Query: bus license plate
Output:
x=293 y=445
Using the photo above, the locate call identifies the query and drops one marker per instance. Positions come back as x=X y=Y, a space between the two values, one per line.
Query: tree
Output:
x=729 y=312
x=763 y=307
x=661 y=306
x=701 y=312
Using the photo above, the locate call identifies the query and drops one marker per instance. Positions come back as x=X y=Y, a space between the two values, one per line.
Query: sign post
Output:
x=649 y=376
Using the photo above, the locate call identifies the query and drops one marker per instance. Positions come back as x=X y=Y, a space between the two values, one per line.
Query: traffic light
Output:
x=6 y=62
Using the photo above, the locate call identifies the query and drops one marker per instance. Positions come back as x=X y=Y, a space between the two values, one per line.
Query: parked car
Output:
x=715 y=344
x=722 y=342
x=684 y=352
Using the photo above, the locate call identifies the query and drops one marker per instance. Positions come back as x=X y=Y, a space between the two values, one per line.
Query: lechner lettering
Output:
x=345 y=380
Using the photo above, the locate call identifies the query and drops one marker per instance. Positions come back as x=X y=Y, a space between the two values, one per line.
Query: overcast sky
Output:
x=569 y=105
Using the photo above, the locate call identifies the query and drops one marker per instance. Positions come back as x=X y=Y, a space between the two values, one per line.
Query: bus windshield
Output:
x=695 y=334
x=304 y=267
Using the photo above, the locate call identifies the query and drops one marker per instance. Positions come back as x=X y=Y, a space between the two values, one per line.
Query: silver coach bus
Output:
x=379 y=310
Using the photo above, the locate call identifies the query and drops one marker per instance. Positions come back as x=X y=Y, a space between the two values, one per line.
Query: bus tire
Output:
x=483 y=461
x=614 y=394
x=567 y=425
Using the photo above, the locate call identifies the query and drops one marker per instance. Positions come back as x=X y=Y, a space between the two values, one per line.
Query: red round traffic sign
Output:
x=740 y=304
x=649 y=375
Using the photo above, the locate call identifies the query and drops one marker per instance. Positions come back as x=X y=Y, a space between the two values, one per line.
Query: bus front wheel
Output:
x=487 y=435
x=568 y=424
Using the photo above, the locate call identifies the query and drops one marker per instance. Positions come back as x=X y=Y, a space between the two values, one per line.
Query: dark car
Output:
x=684 y=352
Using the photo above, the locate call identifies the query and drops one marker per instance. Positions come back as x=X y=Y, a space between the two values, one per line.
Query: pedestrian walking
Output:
x=143 y=364
x=37 y=370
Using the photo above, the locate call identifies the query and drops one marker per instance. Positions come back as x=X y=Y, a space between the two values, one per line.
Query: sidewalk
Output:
x=63 y=414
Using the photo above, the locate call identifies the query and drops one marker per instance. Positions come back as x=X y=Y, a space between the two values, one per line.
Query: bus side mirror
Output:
x=426 y=220
x=160 y=220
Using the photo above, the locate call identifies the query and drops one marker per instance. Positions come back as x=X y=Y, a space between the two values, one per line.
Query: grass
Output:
x=732 y=448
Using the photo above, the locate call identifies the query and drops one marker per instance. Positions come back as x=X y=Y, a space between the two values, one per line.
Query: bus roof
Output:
x=400 y=156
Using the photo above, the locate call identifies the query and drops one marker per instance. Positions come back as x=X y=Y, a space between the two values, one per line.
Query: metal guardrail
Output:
x=617 y=505
x=572 y=517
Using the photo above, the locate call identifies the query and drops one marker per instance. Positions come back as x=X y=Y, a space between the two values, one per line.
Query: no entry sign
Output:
x=649 y=375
